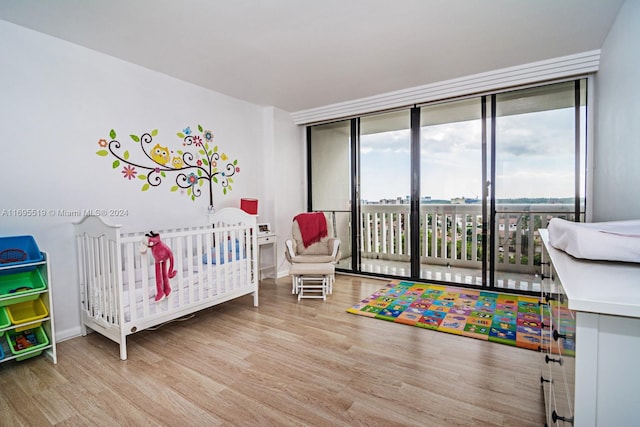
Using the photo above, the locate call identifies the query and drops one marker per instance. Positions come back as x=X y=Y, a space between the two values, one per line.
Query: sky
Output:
x=534 y=158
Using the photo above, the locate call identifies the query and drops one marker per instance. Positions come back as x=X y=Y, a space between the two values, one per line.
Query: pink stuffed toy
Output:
x=161 y=253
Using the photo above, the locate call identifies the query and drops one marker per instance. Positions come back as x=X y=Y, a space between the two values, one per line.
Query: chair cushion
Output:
x=312 y=259
x=318 y=248
x=311 y=269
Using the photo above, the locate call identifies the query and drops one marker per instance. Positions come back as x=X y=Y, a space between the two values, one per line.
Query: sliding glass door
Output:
x=330 y=180
x=453 y=192
x=385 y=188
x=538 y=173
x=451 y=171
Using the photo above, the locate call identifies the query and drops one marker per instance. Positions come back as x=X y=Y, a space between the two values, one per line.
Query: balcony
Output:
x=451 y=242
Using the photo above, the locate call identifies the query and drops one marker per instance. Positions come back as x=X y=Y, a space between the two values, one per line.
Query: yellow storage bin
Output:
x=27 y=311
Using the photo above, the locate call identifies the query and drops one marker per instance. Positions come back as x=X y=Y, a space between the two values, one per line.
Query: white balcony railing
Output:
x=451 y=234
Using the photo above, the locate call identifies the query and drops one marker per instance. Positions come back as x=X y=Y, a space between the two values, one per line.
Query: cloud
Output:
x=394 y=141
x=534 y=158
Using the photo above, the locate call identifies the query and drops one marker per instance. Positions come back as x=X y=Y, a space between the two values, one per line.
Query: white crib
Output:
x=118 y=285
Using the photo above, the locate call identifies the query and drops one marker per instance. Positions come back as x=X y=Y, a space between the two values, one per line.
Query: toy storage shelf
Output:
x=27 y=310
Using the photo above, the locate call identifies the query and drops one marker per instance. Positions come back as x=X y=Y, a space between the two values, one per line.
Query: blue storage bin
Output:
x=19 y=250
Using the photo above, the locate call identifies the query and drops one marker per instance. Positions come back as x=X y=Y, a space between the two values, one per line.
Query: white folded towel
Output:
x=606 y=241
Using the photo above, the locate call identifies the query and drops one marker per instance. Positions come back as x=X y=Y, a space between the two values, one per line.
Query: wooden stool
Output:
x=312 y=280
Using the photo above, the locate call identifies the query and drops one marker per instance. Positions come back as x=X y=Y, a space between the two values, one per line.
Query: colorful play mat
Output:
x=498 y=317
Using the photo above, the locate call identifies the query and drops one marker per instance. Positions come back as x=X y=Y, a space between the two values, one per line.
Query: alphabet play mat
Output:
x=498 y=317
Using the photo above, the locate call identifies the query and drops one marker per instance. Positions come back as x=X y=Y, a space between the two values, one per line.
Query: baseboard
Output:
x=282 y=274
x=67 y=334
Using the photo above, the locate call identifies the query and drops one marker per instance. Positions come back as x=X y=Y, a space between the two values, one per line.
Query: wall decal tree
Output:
x=195 y=164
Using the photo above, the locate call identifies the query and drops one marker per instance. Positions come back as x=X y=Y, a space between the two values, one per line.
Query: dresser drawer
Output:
x=263 y=240
x=558 y=349
x=547 y=390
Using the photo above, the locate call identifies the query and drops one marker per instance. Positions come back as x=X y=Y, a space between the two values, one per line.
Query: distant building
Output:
x=464 y=200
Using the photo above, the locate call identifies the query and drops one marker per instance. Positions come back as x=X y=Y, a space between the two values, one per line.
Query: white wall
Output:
x=617 y=125
x=58 y=99
x=289 y=178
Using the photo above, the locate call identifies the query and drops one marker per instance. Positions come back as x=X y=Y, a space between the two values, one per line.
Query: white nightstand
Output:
x=265 y=239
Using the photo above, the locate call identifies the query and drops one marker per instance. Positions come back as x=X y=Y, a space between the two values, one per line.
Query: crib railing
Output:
x=196 y=261
x=118 y=277
x=97 y=252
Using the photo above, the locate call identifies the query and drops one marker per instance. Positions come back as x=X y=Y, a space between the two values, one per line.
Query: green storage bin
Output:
x=27 y=284
x=36 y=338
x=5 y=322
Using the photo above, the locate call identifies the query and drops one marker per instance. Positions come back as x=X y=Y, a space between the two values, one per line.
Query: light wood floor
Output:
x=286 y=362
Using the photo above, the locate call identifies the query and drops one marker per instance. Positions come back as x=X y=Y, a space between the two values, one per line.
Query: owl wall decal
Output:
x=177 y=162
x=192 y=165
x=160 y=154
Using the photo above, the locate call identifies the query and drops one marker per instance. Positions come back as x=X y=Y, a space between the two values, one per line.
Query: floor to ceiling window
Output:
x=330 y=183
x=453 y=191
x=385 y=188
x=538 y=171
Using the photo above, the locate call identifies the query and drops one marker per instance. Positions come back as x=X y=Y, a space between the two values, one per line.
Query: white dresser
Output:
x=592 y=378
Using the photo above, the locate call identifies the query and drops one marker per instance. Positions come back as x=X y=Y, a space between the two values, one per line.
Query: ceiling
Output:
x=303 y=54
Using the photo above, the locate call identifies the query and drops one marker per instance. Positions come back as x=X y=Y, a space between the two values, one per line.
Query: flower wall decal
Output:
x=193 y=165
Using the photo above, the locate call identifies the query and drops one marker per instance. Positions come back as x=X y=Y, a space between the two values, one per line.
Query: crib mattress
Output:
x=186 y=289
x=190 y=286
x=603 y=241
